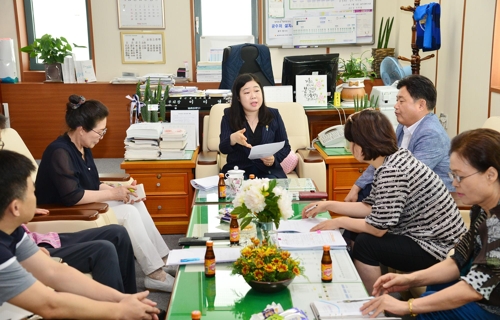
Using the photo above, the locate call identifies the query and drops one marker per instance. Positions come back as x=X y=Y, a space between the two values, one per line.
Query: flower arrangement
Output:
x=355 y=68
x=263 y=201
x=265 y=262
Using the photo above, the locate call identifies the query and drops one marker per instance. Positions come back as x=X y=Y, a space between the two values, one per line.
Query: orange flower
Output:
x=282 y=268
x=296 y=271
x=255 y=241
x=259 y=264
x=258 y=274
x=276 y=261
x=285 y=255
x=269 y=268
x=245 y=270
x=247 y=252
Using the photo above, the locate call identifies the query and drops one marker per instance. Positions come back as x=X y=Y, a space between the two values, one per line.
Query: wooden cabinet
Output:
x=168 y=190
x=342 y=172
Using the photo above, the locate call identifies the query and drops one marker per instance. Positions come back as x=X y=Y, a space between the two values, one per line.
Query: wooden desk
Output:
x=168 y=190
x=342 y=172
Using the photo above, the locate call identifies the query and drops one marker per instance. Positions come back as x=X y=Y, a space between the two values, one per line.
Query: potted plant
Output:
x=266 y=267
x=52 y=51
x=353 y=73
x=381 y=51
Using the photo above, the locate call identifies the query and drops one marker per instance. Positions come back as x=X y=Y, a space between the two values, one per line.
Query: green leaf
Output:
x=245 y=222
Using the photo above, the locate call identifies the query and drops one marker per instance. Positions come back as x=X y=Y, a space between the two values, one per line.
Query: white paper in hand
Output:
x=265 y=150
x=140 y=193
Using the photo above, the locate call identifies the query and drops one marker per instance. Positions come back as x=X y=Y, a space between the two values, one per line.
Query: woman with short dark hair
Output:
x=466 y=285
x=410 y=220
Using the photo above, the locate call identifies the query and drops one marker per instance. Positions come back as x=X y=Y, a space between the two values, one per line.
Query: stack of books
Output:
x=143 y=141
x=209 y=71
x=173 y=143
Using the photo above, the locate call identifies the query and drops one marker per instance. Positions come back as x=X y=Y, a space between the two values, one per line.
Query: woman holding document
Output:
x=410 y=220
x=248 y=122
x=68 y=175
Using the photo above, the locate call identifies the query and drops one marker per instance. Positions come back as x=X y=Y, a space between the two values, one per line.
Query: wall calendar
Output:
x=141 y=14
x=142 y=47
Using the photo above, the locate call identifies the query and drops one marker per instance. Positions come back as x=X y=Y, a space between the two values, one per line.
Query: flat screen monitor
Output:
x=311 y=65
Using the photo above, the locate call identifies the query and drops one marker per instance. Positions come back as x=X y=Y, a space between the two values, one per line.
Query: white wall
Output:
x=471 y=95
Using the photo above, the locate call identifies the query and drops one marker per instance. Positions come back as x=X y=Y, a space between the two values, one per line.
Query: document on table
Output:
x=205 y=183
x=311 y=240
x=302 y=225
x=265 y=150
x=197 y=255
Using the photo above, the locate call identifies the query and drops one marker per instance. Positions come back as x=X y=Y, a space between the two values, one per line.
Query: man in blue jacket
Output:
x=419 y=131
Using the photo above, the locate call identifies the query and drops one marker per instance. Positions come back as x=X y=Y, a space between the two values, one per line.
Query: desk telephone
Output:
x=332 y=137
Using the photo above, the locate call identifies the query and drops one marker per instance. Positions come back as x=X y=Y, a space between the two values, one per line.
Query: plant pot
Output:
x=351 y=88
x=269 y=287
x=53 y=72
x=379 y=55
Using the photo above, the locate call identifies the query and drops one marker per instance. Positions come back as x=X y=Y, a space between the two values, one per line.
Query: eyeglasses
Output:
x=102 y=133
x=454 y=176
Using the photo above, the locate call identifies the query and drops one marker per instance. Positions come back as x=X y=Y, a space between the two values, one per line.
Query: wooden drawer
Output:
x=344 y=178
x=164 y=183
x=172 y=207
x=339 y=195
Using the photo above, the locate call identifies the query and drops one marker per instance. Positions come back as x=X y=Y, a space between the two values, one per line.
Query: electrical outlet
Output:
x=444 y=120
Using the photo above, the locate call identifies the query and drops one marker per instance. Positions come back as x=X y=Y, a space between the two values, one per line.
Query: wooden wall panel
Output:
x=37 y=112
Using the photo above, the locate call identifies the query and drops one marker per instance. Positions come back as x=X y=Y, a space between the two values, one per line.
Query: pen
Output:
x=190 y=259
x=357 y=300
x=311 y=208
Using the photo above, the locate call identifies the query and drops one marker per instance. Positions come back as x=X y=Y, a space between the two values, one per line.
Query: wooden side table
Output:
x=168 y=190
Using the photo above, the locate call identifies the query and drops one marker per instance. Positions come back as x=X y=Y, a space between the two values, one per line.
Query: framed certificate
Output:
x=141 y=14
x=143 y=46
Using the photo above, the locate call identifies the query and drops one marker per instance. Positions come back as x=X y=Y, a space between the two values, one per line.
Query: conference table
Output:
x=228 y=296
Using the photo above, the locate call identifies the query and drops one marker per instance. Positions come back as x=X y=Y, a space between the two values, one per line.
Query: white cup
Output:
x=234 y=179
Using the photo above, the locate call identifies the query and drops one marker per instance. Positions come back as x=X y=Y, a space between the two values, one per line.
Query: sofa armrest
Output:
x=82 y=214
x=310 y=156
x=114 y=177
x=207 y=158
x=100 y=207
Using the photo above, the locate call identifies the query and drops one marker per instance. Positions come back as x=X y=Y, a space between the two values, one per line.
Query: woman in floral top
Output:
x=466 y=285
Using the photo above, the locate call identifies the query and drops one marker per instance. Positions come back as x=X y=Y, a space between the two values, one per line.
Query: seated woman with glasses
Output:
x=410 y=220
x=68 y=175
x=466 y=285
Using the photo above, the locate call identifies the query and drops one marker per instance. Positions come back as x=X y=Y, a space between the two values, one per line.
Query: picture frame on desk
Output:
x=134 y=14
x=134 y=50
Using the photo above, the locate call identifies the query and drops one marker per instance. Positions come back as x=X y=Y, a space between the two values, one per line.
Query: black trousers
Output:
x=106 y=252
x=395 y=251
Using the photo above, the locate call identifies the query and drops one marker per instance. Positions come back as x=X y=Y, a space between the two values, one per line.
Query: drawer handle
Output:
x=159 y=207
x=360 y=170
x=158 y=184
x=158 y=176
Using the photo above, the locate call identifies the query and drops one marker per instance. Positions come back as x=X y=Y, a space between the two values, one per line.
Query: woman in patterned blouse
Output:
x=410 y=221
x=466 y=285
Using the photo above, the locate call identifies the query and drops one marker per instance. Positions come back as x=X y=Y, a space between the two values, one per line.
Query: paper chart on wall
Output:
x=311 y=90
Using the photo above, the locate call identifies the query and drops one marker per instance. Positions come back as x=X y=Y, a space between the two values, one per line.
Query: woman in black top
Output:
x=248 y=122
x=68 y=175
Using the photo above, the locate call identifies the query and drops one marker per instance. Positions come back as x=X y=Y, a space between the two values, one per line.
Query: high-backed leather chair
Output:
x=60 y=219
x=246 y=58
x=310 y=164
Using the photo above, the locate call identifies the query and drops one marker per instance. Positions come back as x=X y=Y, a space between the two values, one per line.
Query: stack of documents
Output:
x=342 y=309
x=205 y=183
x=311 y=240
x=209 y=71
x=173 y=143
x=142 y=141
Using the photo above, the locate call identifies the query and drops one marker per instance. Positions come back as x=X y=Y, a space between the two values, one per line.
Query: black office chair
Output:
x=246 y=58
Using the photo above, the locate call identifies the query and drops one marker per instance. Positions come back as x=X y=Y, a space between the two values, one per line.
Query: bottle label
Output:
x=326 y=272
x=210 y=266
x=234 y=234
x=222 y=191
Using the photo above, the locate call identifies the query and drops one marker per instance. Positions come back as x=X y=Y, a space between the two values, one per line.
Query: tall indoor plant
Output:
x=381 y=51
x=52 y=51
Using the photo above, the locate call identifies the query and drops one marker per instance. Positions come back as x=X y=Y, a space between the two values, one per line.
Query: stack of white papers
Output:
x=145 y=130
x=302 y=225
x=311 y=240
x=205 y=183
